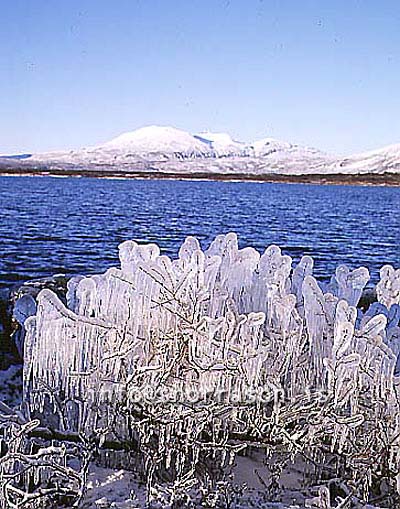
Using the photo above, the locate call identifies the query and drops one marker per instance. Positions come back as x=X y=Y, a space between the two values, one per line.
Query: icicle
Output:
x=222 y=324
x=388 y=288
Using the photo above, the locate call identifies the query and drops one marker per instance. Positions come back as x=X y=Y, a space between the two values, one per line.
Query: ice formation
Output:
x=25 y=468
x=219 y=348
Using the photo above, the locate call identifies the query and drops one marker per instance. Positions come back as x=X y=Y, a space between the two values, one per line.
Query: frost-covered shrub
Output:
x=35 y=473
x=190 y=360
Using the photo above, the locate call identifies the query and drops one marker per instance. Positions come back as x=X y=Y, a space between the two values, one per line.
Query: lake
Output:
x=74 y=225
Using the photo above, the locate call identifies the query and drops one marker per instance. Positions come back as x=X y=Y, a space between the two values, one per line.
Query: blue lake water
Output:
x=74 y=225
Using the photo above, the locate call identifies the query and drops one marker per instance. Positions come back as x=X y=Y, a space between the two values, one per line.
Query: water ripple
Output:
x=51 y=225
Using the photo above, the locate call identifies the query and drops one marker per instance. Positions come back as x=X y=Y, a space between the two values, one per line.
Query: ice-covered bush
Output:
x=35 y=473
x=189 y=361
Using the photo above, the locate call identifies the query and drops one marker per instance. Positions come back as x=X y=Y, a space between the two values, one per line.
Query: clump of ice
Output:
x=249 y=347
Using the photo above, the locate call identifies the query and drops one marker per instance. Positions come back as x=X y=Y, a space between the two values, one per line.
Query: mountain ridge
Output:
x=167 y=149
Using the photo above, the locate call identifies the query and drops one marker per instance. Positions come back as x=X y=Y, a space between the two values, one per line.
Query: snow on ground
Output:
x=113 y=488
x=120 y=489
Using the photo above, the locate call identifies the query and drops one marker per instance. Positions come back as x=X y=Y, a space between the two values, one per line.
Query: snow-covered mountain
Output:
x=268 y=146
x=158 y=140
x=224 y=146
x=171 y=150
x=168 y=149
x=384 y=160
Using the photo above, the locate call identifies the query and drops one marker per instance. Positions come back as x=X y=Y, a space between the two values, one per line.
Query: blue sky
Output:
x=325 y=73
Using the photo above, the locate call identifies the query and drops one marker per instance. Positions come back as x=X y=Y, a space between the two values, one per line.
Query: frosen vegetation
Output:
x=180 y=369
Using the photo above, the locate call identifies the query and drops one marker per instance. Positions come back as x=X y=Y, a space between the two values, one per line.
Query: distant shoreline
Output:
x=370 y=179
